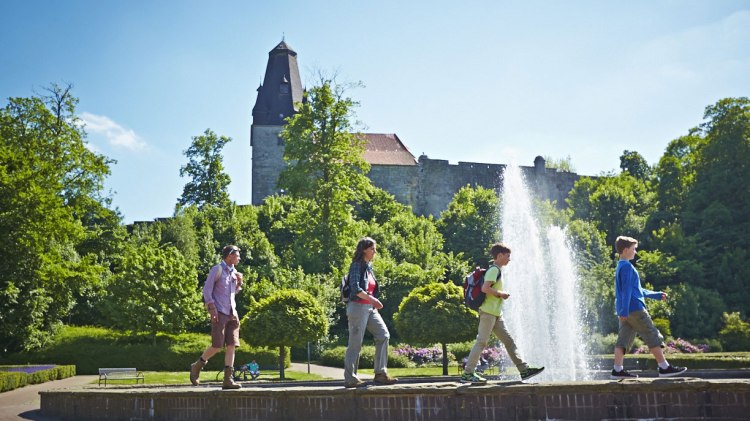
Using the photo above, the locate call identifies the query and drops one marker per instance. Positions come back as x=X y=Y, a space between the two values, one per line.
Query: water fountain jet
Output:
x=544 y=313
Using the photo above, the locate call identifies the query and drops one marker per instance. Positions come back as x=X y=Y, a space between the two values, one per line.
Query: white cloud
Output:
x=118 y=136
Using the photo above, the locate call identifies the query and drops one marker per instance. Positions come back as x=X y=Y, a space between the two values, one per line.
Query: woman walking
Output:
x=362 y=313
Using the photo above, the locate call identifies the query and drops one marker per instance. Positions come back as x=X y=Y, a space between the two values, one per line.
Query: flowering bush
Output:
x=420 y=356
x=492 y=355
x=28 y=369
x=685 y=347
x=676 y=346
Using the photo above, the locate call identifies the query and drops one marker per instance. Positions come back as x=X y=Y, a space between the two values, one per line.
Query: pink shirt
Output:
x=220 y=288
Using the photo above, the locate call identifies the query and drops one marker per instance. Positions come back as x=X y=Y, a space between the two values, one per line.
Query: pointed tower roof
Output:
x=281 y=89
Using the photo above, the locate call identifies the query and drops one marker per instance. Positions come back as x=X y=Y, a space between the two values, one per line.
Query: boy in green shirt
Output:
x=491 y=320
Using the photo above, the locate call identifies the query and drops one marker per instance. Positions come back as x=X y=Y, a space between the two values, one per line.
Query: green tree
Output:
x=435 y=313
x=397 y=280
x=239 y=225
x=718 y=203
x=675 y=175
x=598 y=296
x=620 y=205
x=657 y=267
x=379 y=206
x=735 y=335
x=635 y=164
x=578 y=199
x=325 y=166
x=561 y=165
x=155 y=291
x=697 y=311
x=588 y=243
x=290 y=317
x=54 y=224
x=411 y=238
x=209 y=182
x=471 y=223
x=284 y=219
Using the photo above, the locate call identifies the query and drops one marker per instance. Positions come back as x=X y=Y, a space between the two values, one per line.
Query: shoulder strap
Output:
x=499 y=271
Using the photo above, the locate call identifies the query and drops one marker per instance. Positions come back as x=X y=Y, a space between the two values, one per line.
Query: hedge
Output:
x=10 y=380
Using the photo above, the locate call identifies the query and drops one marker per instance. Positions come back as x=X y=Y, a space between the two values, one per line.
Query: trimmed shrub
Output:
x=663 y=326
x=334 y=357
x=460 y=350
x=11 y=380
x=735 y=335
x=18 y=376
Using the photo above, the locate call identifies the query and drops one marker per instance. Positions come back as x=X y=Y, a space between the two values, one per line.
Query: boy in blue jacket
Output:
x=631 y=310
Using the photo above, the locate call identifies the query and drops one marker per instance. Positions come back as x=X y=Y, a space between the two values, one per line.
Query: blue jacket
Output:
x=629 y=295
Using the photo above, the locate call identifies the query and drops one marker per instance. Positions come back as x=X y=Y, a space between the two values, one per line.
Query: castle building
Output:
x=427 y=185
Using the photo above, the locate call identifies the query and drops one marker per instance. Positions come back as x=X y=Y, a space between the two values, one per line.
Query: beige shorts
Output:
x=638 y=322
x=226 y=331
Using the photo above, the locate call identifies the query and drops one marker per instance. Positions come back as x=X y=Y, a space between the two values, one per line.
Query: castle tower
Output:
x=278 y=95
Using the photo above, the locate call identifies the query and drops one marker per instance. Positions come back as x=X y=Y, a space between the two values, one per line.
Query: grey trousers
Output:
x=361 y=317
x=487 y=324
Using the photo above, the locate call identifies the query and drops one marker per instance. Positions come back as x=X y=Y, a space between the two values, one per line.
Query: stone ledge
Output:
x=676 y=398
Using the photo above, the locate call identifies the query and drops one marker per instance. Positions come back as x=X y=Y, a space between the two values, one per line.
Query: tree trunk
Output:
x=282 y=350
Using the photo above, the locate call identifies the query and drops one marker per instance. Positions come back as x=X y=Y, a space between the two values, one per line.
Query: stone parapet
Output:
x=675 y=399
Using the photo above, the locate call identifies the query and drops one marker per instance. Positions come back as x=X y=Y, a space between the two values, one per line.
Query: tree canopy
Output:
x=208 y=181
x=326 y=166
x=287 y=318
x=54 y=219
x=66 y=257
x=435 y=313
x=471 y=223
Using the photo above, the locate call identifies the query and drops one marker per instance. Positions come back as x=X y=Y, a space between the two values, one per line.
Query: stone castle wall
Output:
x=430 y=186
x=439 y=181
x=400 y=181
x=427 y=187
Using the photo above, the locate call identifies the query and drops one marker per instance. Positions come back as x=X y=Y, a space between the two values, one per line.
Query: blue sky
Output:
x=482 y=81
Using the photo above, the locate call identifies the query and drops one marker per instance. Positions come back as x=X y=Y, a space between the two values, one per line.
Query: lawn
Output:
x=183 y=377
x=415 y=371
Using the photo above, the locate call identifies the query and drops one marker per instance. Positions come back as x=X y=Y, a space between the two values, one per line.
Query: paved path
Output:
x=23 y=403
x=321 y=370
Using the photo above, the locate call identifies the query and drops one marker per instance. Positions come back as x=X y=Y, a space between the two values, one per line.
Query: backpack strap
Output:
x=499 y=271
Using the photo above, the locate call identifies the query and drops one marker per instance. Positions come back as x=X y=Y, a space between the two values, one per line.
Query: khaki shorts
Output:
x=226 y=331
x=638 y=322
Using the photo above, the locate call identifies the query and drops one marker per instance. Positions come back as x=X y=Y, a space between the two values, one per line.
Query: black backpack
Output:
x=345 y=288
x=473 y=295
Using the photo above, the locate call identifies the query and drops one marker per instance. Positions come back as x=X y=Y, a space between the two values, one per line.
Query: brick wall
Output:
x=676 y=399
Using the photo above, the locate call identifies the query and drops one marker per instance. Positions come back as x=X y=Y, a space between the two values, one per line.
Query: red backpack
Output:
x=473 y=295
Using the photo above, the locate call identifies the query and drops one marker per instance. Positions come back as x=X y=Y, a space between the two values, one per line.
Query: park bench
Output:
x=110 y=374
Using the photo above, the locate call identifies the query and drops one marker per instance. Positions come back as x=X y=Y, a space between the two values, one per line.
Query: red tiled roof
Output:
x=386 y=149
